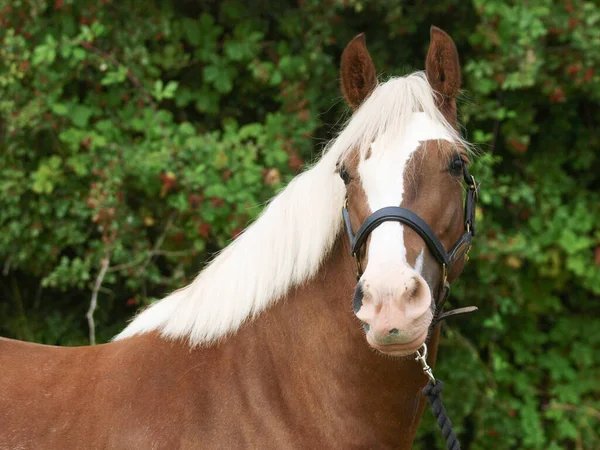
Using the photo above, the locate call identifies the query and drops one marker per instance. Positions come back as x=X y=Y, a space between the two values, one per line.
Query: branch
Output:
x=159 y=242
x=496 y=132
x=94 y=301
x=464 y=342
x=155 y=250
x=7 y=265
x=587 y=410
x=134 y=80
x=172 y=253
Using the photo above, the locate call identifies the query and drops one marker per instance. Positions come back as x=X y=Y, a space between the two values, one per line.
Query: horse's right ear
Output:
x=442 y=65
x=357 y=72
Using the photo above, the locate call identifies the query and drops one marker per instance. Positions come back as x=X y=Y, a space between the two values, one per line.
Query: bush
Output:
x=145 y=134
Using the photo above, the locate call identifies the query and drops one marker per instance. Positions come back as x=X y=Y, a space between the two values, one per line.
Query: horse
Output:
x=297 y=335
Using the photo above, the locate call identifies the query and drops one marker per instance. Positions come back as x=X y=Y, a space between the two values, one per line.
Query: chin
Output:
x=399 y=349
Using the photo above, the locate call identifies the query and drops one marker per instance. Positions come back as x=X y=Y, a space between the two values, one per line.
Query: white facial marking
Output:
x=382 y=176
x=419 y=263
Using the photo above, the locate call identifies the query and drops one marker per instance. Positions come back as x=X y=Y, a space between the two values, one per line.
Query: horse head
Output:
x=403 y=170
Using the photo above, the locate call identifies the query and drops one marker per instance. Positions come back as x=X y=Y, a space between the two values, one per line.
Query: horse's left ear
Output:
x=357 y=72
x=442 y=65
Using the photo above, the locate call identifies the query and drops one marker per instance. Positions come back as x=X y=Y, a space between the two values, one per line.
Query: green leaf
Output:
x=193 y=31
x=47 y=175
x=115 y=77
x=169 y=90
x=59 y=109
x=80 y=115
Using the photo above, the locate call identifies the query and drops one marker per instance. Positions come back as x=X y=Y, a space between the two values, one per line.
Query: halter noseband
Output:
x=409 y=218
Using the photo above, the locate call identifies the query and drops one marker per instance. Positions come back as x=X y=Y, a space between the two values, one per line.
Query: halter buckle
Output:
x=473 y=186
x=467 y=257
x=444 y=279
x=421 y=358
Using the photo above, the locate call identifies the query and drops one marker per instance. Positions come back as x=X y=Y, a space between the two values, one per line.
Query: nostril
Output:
x=412 y=289
x=411 y=285
x=417 y=299
x=394 y=332
x=357 y=301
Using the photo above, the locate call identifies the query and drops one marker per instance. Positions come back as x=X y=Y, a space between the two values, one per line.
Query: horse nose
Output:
x=393 y=307
x=415 y=297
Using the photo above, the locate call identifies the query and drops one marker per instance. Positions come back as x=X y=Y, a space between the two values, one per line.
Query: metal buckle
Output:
x=421 y=358
x=474 y=186
x=444 y=274
x=359 y=271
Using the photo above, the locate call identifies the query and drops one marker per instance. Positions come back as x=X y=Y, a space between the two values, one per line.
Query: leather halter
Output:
x=409 y=218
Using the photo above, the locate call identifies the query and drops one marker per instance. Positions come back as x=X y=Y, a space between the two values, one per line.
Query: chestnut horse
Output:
x=263 y=349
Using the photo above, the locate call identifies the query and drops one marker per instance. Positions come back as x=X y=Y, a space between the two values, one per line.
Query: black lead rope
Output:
x=433 y=392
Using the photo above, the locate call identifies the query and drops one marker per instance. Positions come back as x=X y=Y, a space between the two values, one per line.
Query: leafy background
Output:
x=139 y=137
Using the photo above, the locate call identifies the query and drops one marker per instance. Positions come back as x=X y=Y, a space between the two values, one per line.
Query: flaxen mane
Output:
x=287 y=244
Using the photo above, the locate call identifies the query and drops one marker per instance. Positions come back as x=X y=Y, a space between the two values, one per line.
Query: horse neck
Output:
x=305 y=364
x=313 y=332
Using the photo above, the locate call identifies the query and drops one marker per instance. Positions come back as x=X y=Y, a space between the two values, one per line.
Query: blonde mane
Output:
x=287 y=244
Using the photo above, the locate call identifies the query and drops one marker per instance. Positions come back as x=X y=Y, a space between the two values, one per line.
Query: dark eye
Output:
x=456 y=166
x=345 y=175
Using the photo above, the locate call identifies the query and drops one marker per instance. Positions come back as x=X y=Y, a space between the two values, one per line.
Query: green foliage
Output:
x=148 y=133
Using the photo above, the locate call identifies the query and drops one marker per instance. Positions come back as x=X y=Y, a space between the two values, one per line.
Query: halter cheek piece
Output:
x=409 y=218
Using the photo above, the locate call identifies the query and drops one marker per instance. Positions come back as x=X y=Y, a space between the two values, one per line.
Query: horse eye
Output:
x=345 y=175
x=456 y=166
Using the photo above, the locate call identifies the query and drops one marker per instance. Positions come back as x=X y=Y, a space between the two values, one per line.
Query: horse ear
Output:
x=357 y=72
x=442 y=65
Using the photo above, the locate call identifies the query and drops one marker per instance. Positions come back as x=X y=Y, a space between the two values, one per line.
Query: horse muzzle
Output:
x=396 y=315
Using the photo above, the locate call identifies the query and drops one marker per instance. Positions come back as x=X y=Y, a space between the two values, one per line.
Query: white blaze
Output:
x=382 y=176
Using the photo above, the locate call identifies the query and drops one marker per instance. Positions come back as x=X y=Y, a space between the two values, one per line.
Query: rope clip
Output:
x=422 y=359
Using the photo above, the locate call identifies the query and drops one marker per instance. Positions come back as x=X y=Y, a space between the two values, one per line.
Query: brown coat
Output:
x=299 y=376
